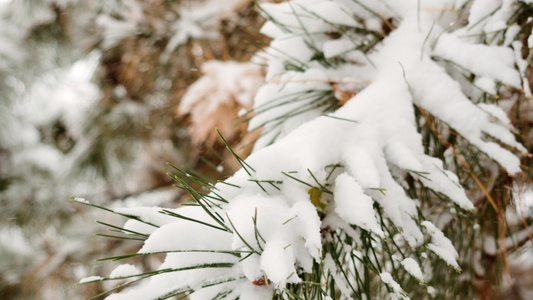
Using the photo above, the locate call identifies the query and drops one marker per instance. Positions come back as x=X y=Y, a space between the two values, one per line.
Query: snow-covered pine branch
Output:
x=320 y=209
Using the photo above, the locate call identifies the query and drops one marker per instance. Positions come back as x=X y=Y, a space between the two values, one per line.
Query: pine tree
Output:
x=384 y=166
x=390 y=149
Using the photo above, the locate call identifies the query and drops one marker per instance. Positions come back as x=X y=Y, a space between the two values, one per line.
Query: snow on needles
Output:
x=354 y=206
x=321 y=171
x=124 y=270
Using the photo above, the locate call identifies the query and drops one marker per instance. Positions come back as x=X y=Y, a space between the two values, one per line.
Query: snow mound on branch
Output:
x=441 y=245
x=411 y=266
x=124 y=270
x=354 y=206
x=320 y=172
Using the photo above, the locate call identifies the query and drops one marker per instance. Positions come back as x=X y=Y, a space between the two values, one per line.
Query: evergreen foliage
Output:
x=375 y=117
x=318 y=149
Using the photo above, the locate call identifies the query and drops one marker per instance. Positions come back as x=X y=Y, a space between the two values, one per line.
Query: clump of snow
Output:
x=386 y=277
x=90 y=279
x=431 y=291
x=124 y=270
x=411 y=266
x=277 y=261
x=355 y=207
x=475 y=57
x=80 y=200
x=314 y=174
x=481 y=10
x=186 y=234
x=486 y=84
x=442 y=246
x=136 y=226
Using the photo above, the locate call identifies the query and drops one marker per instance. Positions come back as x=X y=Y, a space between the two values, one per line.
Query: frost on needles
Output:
x=320 y=208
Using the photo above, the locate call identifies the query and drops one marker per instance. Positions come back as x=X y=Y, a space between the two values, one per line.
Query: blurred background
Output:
x=90 y=107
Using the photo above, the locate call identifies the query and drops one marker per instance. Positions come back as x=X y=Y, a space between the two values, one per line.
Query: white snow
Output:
x=333 y=12
x=307 y=224
x=486 y=84
x=386 y=277
x=124 y=270
x=411 y=266
x=81 y=200
x=441 y=245
x=354 y=206
x=431 y=291
x=185 y=234
x=372 y=139
x=492 y=61
x=335 y=47
x=277 y=261
x=481 y=9
x=136 y=226
x=90 y=279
